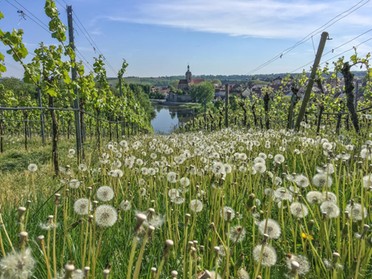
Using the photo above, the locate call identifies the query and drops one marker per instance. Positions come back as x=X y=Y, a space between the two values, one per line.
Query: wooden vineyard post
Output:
x=226 y=105
x=311 y=79
x=349 y=87
x=321 y=109
x=73 y=76
x=42 y=124
x=338 y=124
x=1 y=134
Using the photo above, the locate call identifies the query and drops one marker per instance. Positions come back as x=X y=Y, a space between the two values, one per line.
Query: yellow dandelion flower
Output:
x=307 y=236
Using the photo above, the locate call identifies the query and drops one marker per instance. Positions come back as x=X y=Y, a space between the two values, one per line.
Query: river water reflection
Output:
x=168 y=118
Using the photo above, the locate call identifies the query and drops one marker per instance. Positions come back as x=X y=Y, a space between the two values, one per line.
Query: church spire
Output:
x=188 y=74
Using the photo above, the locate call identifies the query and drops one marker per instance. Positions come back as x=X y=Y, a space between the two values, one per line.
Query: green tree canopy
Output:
x=202 y=93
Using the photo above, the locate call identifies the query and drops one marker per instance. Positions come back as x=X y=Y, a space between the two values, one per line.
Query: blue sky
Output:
x=161 y=37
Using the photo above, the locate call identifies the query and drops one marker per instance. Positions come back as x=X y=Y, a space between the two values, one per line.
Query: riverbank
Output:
x=164 y=102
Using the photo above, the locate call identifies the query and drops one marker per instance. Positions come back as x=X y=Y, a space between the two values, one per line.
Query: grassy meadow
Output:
x=225 y=204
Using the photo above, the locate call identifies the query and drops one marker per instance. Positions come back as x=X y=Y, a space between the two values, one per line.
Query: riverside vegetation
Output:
x=226 y=204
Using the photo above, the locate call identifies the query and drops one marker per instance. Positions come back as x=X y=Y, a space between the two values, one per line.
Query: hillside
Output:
x=167 y=80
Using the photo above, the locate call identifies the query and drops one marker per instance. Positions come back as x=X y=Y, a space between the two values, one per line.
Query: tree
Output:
x=202 y=93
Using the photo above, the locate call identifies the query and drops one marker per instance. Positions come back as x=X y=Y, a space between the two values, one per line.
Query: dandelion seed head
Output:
x=17 y=265
x=302 y=261
x=237 y=234
x=196 y=205
x=184 y=181
x=367 y=181
x=357 y=211
x=218 y=168
x=299 y=210
x=172 y=177
x=279 y=158
x=283 y=194
x=259 y=167
x=105 y=193
x=366 y=153
x=227 y=213
x=242 y=274
x=330 y=209
x=328 y=264
x=269 y=227
x=74 y=183
x=260 y=159
x=266 y=254
x=155 y=220
x=83 y=167
x=106 y=216
x=329 y=196
x=322 y=180
x=117 y=173
x=301 y=181
x=314 y=197
x=125 y=205
x=82 y=206
x=32 y=167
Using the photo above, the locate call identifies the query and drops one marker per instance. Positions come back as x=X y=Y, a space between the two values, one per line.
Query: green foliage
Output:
x=202 y=93
x=13 y=40
x=14 y=92
x=56 y=26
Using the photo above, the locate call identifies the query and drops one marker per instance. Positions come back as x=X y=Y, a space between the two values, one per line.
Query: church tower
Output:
x=188 y=74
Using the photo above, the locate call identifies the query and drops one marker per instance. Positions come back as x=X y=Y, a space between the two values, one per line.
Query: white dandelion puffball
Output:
x=125 y=205
x=366 y=154
x=259 y=167
x=269 y=227
x=266 y=254
x=184 y=181
x=106 y=216
x=279 y=158
x=17 y=265
x=83 y=167
x=301 y=181
x=330 y=209
x=32 y=167
x=242 y=274
x=283 y=194
x=367 y=181
x=314 y=197
x=357 y=211
x=196 y=205
x=218 y=168
x=82 y=206
x=227 y=213
x=303 y=264
x=329 y=196
x=74 y=184
x=105 y=193
x=299 y=210
x=237 y=234
x=172 y=177
x=322 y=180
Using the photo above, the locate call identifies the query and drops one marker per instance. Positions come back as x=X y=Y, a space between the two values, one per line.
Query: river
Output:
x=168 y=118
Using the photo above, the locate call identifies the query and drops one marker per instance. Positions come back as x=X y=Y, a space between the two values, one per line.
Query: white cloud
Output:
x=265 y=18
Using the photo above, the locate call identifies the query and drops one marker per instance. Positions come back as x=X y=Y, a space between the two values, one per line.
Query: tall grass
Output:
x=196 y=205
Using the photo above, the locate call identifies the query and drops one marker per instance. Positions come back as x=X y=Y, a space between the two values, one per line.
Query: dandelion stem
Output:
x=2 y=225
x=140 y=257
x=131 y=257
x=54 y=241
